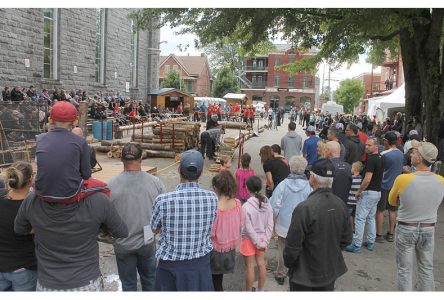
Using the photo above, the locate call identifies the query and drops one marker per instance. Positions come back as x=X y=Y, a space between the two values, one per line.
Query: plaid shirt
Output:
x=185 y=217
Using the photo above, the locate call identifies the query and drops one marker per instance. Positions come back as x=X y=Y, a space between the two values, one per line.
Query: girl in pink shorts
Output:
x=256 y=233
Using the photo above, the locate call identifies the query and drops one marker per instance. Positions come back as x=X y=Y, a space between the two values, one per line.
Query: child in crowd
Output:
x=356 y=183
x=225 y=234
x=242 y=174
x=63 y=158
x=256 y=233
x=225 y=164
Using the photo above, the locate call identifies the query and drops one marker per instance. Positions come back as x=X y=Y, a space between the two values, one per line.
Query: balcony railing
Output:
x=254 y=86
x=255 y=68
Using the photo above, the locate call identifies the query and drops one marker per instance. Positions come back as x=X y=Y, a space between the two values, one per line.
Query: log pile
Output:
x=116 y=152
x=178 y=136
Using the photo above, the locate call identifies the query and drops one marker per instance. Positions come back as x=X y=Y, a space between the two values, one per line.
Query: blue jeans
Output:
x=23 y=280
x=413 y=241
x=365 y=213
x=142 y=261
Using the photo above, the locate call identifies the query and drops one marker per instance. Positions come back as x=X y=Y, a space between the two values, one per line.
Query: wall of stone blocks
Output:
x=21 y=37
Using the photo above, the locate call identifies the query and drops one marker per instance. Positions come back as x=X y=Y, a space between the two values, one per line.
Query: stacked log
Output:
x=116 y=152
x=233 y=125
x=179 y=135
x=215 y=167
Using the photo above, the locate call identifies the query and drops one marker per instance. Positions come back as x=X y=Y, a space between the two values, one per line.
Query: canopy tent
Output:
x=332 y=108
x=383 y=106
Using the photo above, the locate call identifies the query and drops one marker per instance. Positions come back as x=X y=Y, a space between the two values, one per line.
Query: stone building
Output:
x=97 y=50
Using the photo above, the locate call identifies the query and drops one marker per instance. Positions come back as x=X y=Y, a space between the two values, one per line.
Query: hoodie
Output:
x=287 y=195
x=258 y=222
x=291 y=143
x=353 y=149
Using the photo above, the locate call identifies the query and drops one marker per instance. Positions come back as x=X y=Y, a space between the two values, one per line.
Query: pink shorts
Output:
x=247 y=248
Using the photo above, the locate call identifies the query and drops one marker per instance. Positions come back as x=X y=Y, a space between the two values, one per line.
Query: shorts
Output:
x=383 y=204
x=247 y=248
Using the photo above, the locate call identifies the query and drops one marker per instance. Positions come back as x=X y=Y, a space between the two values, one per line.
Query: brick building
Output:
x=193 y=70
x=261 y=82
x=97 y=50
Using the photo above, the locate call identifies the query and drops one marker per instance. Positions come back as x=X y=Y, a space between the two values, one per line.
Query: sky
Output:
x=170 y=42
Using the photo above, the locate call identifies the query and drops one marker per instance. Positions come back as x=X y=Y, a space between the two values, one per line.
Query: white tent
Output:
x=394 y=101
x=332 y=107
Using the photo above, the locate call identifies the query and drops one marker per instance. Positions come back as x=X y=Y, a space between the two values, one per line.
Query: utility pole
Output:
x=330 y=98
x=323 y=81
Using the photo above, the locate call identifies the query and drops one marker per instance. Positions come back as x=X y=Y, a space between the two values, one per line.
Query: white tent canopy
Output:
x=332 y=107
x=235 y=96
x=384 y=104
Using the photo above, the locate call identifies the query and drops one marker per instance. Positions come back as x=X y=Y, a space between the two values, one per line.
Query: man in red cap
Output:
x=63 y=160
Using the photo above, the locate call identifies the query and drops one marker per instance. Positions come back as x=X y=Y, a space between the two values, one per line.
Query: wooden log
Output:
x=147 y=146
x=136 y=126
x=232 y=125
x=154 y=153
x=104 y=149
x=181 y=129
x=146 y=137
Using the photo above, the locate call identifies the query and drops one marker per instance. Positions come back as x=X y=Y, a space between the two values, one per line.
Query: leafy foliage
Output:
x=225 y=83
x=349 y=94
x=173 y=80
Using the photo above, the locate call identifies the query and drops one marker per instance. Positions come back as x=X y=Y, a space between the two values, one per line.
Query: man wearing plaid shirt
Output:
x=184 y=219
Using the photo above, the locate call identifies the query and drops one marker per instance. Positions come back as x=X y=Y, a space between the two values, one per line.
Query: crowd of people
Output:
x=318 y=196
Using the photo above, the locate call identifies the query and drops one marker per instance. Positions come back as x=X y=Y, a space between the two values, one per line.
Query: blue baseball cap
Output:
x=191 y=164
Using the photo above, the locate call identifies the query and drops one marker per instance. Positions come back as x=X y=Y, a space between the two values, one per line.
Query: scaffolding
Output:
x=20 y=123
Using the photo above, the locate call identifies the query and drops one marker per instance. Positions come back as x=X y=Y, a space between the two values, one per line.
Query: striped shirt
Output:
x=185 y=217
x=356 y=183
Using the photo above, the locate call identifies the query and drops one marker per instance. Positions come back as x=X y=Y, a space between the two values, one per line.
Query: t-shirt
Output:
x=242 y=176
x=66 y=237
x=279 y=170
x=392 y=161
x=374 y=165
x=356 y=183
x=134 y=205
x=63 y=160
x=16 y=251
x=310 y=149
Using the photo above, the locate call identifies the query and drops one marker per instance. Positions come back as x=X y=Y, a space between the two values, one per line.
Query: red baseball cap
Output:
x=63 y=111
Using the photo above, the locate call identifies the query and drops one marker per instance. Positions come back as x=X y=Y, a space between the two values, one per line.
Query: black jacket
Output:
x=342 y=181
x=319 y=230
x=354 y=149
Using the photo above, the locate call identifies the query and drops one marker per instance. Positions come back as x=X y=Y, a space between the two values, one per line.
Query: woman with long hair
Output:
x=18 y=263
x=274 y=168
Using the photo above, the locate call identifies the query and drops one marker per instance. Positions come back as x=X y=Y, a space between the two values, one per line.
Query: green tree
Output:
x=349 y=94
x=230 y=52
x=225 y=83
x=173 y=80
x=340 y=35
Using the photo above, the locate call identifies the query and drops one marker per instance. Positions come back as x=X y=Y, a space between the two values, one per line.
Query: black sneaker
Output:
x=280 y=280
x=379 y=239
x=389 y=237
x=253 y=289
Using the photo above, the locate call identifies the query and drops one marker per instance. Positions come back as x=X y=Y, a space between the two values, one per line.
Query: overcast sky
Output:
x=173 y=42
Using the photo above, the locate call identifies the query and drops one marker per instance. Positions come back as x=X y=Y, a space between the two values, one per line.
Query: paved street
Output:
x=368 y=271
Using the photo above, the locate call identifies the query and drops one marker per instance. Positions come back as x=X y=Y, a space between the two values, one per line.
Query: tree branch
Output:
x=384 y=38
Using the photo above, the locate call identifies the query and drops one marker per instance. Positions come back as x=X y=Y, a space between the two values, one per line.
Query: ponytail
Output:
x=254 y=186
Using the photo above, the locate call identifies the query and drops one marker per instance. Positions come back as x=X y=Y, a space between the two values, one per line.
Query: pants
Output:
x=300 y=288
x=413 y=241
x=93 y=286
x=142 y=261
x=218 y=282
x=207 y=145
x=365 y=213
x=281 y=270
x=19 y=281
x=188 y=275
x=441 y=149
